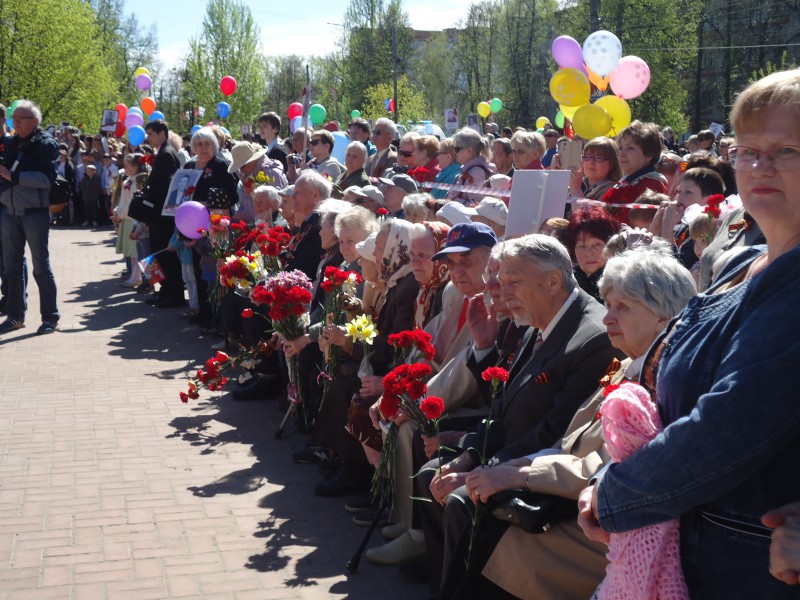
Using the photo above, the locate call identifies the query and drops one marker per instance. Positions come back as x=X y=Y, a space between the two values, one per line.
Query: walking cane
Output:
x=352 y=564
x=282 y=426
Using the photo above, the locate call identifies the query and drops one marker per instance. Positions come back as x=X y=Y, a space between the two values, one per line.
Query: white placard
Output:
x=535 y=197
x=451 y=118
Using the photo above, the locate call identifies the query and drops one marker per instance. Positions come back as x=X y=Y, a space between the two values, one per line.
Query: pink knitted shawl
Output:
x=644 y=563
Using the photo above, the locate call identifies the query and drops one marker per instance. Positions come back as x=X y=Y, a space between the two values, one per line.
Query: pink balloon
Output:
x=132 y=119
x=567 y=52
x=190 y=217
x=295 y=109
x=631 y=77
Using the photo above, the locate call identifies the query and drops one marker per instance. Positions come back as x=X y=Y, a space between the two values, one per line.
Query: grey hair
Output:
x=360 y=147
x=414 y=206
x=530 y=139
x=356 y=216
x=472 y=139
x=629 y=239
x=317 y=181
x=656 y=280
x=270 y=192
x=35 y=110
x=205 y=133
x=410 y=137
x=497 y=251
x=390 y=126
x=330 y=208
x=546 y=252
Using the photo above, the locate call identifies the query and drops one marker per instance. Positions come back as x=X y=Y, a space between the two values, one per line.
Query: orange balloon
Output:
x=148 y=105
x=601 y=83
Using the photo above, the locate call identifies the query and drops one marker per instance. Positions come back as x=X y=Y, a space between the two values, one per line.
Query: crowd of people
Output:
x=664 y=287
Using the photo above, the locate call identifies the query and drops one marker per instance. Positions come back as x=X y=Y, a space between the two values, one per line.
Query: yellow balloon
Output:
x=541 y=122
x=569 y=111
x=570 y=87
x=484 y=109
x=618 y=110
x=140 y=71
x=591 y=121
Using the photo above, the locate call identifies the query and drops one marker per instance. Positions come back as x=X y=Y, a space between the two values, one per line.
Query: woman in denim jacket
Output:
x=726 y=384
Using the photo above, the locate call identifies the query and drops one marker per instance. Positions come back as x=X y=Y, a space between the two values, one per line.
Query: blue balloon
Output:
x=340 y=142
x=223 y=110
x=156 y=115
x=195 y=129
x=136 y=110
x=136 y=135
x=10 y=122
x=225 y=131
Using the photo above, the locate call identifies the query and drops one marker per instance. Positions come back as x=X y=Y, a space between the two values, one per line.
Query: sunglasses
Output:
x=406 y=153
x=315 y=142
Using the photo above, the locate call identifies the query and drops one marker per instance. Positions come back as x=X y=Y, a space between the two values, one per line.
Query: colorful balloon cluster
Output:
x=316 y=115
x=600 y=63
x=484 y=109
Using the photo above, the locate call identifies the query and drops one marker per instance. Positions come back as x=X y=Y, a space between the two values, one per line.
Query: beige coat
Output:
x=560 y=564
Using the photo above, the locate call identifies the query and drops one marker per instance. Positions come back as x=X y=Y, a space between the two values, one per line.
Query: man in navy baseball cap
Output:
x=466 y=237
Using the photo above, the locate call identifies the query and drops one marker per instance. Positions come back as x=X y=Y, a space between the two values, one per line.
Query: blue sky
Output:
x=310 y=30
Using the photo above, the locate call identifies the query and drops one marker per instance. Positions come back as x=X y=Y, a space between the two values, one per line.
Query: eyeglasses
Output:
x=593 y=158
x=16 y=117
x=785 y=158
x=406 y=153
x=315 y=142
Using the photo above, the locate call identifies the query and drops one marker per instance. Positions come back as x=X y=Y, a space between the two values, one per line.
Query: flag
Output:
x=151 y=270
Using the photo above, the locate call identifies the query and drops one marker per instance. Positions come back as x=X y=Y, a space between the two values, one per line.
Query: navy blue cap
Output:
x=465 y=237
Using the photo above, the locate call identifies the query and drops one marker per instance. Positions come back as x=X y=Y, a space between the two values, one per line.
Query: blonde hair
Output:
x=529 y=139
x=757 y=101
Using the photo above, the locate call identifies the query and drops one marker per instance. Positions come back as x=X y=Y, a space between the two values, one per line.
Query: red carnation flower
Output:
x=432 y=407
x=247 y=313
x=495 y=374
x=221 y=357
x=184 y=397
x=382 y=212
x=610 y=388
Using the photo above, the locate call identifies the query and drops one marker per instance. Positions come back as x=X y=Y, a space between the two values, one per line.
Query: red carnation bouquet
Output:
x=288 y=295
x=270 y=242
x=338 y=285
x=407 y=343
x=212 y=376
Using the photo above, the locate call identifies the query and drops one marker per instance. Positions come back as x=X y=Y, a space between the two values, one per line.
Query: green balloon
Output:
x=540 y=130
x=559 y=119
x=13 y=107
x=355 y=113
x=496 y=105
x=317 y=113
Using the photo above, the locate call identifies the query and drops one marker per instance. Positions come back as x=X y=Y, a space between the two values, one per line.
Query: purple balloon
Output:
x=190 y=217
x=143 y=82
x=567 y=52
x=132 y=119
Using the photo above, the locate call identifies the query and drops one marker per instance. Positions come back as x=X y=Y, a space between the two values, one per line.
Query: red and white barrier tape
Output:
x=614 y=204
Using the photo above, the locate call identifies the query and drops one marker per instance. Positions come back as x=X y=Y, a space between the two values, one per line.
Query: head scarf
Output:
x=439 y=278
x=396 y=262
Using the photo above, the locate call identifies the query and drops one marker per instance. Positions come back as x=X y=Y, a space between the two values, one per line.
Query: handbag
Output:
x=532 y=512
x=141 y=208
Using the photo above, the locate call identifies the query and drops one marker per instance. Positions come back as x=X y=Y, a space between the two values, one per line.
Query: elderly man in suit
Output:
x=161 y=228
x=563 y=356
x=385 y=157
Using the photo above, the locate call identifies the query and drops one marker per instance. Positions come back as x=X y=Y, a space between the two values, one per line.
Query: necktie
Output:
x=462 y=318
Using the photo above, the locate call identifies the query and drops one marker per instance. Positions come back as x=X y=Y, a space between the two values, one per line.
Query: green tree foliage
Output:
x=50 y=53
x=367 y=47
x=228 y=44
x=413 y=106
x=433 y=73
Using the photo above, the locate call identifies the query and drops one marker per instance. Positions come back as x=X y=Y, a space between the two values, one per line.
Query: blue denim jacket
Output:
x=731 y=448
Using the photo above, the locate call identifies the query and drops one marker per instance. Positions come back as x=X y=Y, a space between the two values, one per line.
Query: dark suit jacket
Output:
x=305 y=255
x=164 y=168
x=547 y=388
x=279 y=154
x=346 y=179
x=215 y=175
x=396 y=315
x=387 y=160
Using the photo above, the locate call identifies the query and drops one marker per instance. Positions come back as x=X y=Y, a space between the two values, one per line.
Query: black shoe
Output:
x=359 y=504
x=346 y=482
x=330 y=466
x=313 y=455
x=152 y=300
x=260 y=388
x=365 y=517
x=171 y=303
x=417 y=572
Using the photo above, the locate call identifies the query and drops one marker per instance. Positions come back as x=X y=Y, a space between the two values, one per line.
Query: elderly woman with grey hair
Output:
x=643 y=290
x=472 y=153
x=205 y=146
x=354 y=160
x=527 y=149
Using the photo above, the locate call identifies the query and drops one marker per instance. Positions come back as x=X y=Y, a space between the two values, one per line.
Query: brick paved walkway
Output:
x=110 y=488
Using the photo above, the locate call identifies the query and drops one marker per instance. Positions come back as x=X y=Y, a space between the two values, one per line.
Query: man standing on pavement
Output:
x=161 y=228
x=27 y=172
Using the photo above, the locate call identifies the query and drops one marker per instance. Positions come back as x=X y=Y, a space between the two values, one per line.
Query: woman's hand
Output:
x=575 y=182
x=784 y=551
x=444 y=483
x=485 y=482
x=293 y=347
x=371 y=386
x=587 y=516
x=446 y=438
x=334 y=335
x=672 y=216
x=115 y=219
x=375 y=415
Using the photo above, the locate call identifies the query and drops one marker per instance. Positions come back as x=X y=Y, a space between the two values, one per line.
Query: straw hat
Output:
x=243 y=153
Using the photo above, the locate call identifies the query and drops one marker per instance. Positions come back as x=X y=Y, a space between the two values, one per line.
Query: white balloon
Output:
x=601 y=52
x=340 y=142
